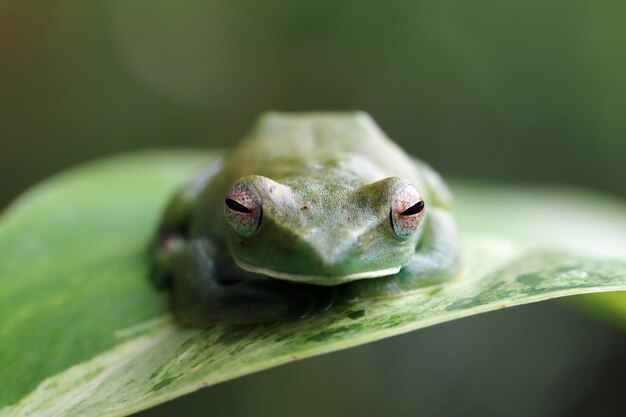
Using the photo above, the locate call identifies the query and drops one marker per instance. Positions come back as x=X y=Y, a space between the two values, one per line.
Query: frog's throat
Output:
x=318 y=279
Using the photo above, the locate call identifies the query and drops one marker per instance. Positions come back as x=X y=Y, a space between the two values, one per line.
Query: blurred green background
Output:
x=525 y=90
x=531 y=91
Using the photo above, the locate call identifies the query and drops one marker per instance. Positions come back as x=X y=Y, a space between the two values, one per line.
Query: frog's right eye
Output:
x=242 y=209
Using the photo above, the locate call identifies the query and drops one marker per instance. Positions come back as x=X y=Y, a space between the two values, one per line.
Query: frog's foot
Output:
x=164 y=256
x=437 y=260
x=200 y=299
x=173 y=230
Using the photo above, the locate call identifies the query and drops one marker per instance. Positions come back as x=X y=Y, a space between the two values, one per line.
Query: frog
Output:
x=310 y=210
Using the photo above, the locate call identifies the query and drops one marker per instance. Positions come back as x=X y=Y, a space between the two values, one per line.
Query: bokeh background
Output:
x=523 y=91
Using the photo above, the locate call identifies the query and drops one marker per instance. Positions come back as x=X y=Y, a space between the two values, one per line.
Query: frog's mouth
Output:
x=318 y=279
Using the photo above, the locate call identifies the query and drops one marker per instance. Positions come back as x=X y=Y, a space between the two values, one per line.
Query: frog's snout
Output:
x=329 y=250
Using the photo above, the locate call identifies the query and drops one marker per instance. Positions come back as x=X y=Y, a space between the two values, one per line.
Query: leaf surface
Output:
x=82 y=332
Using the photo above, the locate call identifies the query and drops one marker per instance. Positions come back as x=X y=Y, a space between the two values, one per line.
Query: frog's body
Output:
x=317 y=204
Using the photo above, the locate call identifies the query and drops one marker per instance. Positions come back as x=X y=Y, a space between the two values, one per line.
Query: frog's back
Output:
x=288 y=144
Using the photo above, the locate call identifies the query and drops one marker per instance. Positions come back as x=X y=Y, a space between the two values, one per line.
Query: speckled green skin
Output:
x=325 y=182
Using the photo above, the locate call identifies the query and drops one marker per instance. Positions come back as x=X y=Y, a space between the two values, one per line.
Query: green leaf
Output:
x=82 y=333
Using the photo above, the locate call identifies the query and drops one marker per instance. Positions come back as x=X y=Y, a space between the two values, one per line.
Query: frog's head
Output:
x=323 y=233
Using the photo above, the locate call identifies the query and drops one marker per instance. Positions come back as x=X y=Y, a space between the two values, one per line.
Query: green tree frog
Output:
x=309 y=210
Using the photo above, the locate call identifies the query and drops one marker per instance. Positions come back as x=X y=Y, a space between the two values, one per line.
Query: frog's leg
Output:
x=436 y=260
x=437 y=256
x=199 y=298
x=173 y=230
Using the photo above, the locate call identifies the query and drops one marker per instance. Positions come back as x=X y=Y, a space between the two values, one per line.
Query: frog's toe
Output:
x=201 y=299
x=273 y=300
x=163 y=260
x=246 y=303
x=325 y=297
x=306 y=300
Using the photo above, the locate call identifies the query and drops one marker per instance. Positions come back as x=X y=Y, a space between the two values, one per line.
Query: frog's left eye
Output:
x=407 y=212
x=242 y=210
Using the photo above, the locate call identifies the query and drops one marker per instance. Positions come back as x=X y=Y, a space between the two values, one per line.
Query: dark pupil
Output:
x=414 y=209
x=235 y=206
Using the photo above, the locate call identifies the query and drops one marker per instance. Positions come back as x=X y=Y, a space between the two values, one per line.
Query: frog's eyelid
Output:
x=414 y=209
x=235 y=206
